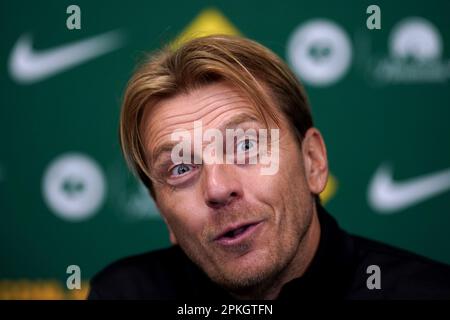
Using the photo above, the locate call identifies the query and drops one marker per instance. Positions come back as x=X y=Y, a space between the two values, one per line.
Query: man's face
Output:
x=239 y=226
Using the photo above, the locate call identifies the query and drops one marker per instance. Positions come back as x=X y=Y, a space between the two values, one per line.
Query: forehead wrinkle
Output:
x=204 y=111
x=214 y=116
x=207 y=113
x=171 y=128
x=218 y=94
x=193 y=95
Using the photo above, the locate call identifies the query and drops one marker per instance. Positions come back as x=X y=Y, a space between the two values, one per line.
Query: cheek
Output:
x=292 y=170
x=183 y=213
x=286 y=192
x=289 y=181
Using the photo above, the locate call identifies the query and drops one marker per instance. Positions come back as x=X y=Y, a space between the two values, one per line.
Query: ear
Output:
x=315 y=160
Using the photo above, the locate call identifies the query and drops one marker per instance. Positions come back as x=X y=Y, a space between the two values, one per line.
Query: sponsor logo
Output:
x=73 y=187
x=415 y=55
x=207 y=22
x=389 y=196
x=320 y=52
x=27 y=66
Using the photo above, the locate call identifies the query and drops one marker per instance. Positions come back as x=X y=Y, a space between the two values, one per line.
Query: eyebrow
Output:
x=232 y=123
x=237 y=120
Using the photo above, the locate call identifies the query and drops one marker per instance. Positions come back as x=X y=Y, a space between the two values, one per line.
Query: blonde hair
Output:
x=244 y=63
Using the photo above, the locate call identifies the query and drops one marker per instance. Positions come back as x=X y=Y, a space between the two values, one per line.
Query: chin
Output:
x=247 y=272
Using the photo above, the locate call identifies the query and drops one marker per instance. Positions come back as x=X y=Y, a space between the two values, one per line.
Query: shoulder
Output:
x=404 y=275
x=152 y=275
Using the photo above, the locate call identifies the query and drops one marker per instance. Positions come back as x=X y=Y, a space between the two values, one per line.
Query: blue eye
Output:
x=245 y=145
x=180 y=169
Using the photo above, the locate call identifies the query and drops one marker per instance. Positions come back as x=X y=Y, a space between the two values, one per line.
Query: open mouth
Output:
x=234 y=235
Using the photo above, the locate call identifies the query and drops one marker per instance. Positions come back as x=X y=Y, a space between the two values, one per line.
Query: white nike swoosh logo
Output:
x=387 y=196
x=27 y=66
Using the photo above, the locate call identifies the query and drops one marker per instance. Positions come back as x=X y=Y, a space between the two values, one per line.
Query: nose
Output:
x=221 y=184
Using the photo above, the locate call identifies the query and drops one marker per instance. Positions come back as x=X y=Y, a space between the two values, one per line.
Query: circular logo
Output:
x=415 y=38
x=319 y=52
x=73 y=187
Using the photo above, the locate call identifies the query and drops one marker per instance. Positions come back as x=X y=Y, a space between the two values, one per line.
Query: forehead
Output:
x=213 y=104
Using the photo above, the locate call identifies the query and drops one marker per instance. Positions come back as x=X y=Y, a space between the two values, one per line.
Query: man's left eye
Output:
x=245 y=145
x=180 y=169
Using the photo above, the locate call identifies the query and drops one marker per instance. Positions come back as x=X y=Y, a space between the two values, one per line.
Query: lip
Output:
x=251 y=228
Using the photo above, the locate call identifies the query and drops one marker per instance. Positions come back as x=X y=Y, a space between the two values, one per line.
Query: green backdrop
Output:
x=380 y=97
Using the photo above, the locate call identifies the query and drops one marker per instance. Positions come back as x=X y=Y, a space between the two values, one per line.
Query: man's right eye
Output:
x=180 y=169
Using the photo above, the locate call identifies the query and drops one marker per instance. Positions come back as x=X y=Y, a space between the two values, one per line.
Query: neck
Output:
x=296 y=268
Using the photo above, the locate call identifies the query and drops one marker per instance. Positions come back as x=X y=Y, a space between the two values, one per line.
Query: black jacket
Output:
x=338 y=271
